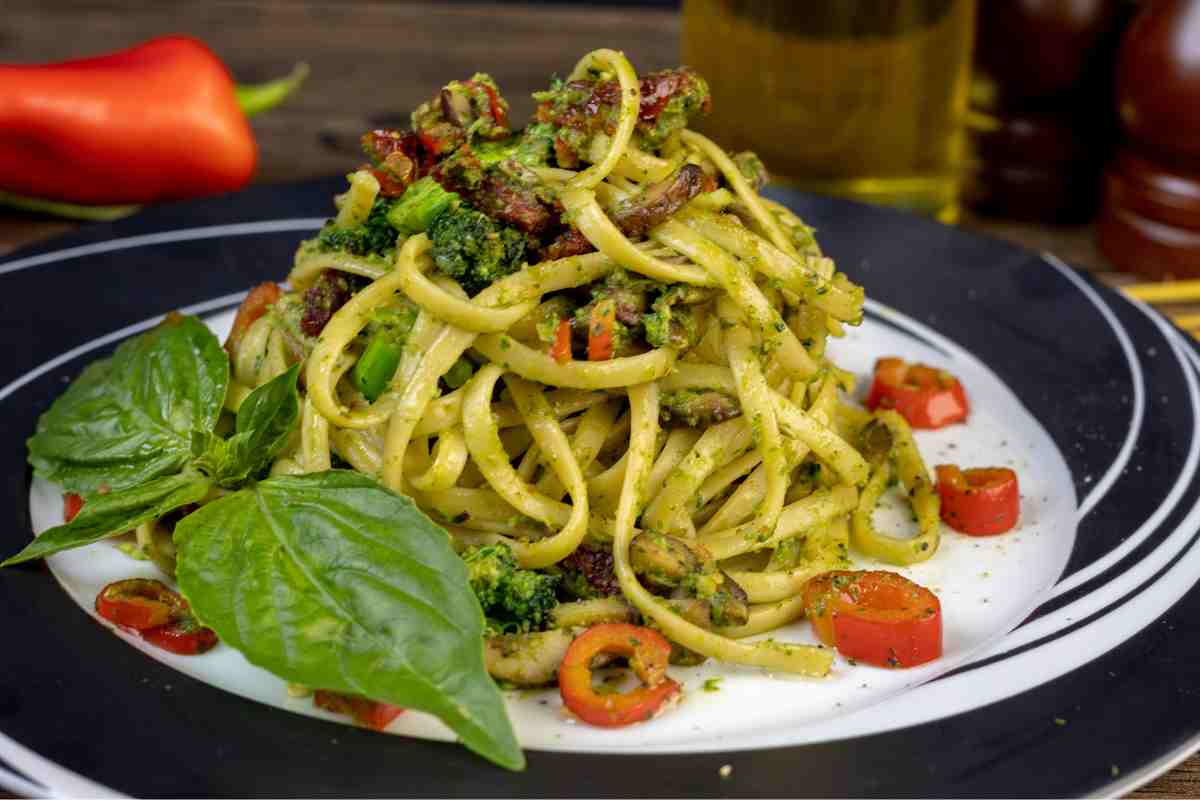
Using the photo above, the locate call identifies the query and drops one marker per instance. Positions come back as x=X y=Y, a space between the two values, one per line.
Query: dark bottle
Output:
x=1043 y=122
x=1150 y=217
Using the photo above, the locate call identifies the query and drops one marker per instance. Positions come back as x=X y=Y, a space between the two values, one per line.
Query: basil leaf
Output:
x=116 y=512
x=130 y=418
x=265 y=421
x=333 y=581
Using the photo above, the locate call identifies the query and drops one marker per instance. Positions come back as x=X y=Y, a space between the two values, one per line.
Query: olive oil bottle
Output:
x=860 y=98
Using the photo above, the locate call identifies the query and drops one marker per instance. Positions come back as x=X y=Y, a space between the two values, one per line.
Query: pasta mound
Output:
x=702 y=454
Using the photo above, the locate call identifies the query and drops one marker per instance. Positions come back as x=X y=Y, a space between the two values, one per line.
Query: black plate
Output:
x=1085 y=362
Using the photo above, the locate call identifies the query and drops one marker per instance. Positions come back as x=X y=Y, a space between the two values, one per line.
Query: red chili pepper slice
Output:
x=927 y=397
x=561 y=351
x=647 y=652
x=138 y=603
x=72 y=505
x=600 y=330
x=983 y=501
x=878 y=617
x=184 y=636
x=157 y=613
x=260 y=298
x=367 y=713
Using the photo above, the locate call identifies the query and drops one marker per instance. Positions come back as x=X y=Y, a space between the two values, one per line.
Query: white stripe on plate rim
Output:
x=165 y=237
x=1125 y=453
x=1128 y=581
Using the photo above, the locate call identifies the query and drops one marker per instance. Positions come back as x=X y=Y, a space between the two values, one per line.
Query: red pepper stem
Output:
x=255 y=98
x=68 y=210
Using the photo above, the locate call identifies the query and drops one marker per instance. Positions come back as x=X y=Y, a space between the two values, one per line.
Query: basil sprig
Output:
x=130 y=418
x=329 y=580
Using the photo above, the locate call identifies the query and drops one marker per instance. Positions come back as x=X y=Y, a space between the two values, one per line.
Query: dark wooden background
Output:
x=372 y=62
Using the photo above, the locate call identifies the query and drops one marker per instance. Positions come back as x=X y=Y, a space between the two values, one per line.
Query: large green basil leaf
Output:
x=265 y=421
x=116 y=512
x=130 y=418
x=333 y=581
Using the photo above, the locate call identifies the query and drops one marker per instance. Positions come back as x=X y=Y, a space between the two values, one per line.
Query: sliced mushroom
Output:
x=661 y=561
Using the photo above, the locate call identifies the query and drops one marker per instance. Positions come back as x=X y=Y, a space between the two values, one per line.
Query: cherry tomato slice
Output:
x=561 y=351
x=257 y=302
x=72 y=505
x=877 y=617
x=983 y=501
x=184 y=636
x=647 y=651
x=600 y=330
x=138 y=603
x=928 y=398
x=367 y=713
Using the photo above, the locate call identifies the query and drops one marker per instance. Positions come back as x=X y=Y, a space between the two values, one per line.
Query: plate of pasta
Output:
x=578 y=449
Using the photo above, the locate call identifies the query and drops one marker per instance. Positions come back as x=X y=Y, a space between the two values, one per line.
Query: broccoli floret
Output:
x=537 y=144
x=473 y=249
x=375 y=237
x=514 y=600
x=418 y=206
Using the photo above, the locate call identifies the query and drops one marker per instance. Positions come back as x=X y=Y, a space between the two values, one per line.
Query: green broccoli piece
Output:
x=473 y=249
x=514 y=600
x=419 y=204
x=375 y=237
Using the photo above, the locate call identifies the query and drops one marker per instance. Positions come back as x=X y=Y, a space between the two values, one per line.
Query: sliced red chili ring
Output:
x=926 y=397
x=368 y=713
x=647 y=651
x=72 y=505
x=138 y=603
x=184 y=636
x=983 y=501
x=877 y=617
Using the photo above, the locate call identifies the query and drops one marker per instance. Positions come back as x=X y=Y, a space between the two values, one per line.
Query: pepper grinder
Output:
x=1150 y=215
x=1043 y=87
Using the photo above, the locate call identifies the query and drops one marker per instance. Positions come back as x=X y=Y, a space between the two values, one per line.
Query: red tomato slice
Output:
x=367 y=713
x=647 y=652
x=561 y=351
x=979 y=502
x=600 y=330
x=878 y=617
x=926 y=397
x=72 y=505
x=138 y=603
x=257 y=302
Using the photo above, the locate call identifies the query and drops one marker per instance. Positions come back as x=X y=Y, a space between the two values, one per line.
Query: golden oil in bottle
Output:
x=860 y=98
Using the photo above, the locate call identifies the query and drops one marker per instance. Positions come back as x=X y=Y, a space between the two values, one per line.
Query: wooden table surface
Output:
x=373 y=62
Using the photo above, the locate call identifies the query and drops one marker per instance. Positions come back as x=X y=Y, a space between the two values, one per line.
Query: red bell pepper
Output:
x=647 y=652
x=877 y=617
x=979 y=502
x=926 y=397
x=159 y=121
